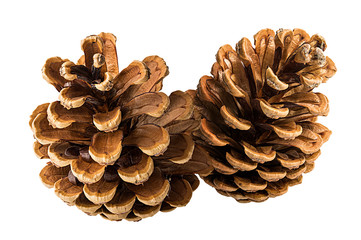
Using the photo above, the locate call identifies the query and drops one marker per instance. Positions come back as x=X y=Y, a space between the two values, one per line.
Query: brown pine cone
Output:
x=117 y=146
x=259 y=111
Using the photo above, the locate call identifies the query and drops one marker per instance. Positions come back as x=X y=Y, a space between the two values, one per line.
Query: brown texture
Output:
x=112 y=138
x=258 y=113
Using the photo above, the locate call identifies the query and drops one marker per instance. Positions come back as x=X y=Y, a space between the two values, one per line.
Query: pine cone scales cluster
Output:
x=258 y=113
x=117 y=146
x=120 y=148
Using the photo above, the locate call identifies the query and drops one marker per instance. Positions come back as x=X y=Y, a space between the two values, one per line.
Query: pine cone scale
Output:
x=101 y=191
x=136 y=73
x=106 y=147
x=60 y=117
x=85 y=205
x=91 y=46
x=87 y=171
x=138 y=173
x=41 y=151
x=240 y=162
x=67 y=191
x=46 y=134
x=108 y=121
x=110 y=53
x=56 y=153
x=152 y=103
x=153 y=191
x=122 y=202
x=51 y=72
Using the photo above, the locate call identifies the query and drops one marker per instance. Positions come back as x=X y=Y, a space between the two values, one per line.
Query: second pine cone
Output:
x=258 y=113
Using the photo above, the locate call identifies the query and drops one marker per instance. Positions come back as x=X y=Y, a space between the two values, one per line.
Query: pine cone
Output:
x=117 y=146
x=259 y=111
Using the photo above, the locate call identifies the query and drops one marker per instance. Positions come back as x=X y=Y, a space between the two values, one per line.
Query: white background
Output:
x=187 y=34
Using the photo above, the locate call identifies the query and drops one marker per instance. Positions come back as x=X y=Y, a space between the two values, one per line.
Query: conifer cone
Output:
x=258 y=113
x=117 y=146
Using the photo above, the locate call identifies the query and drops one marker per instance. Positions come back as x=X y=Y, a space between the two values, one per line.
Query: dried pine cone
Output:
x=117 y=146
x=259 y=112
